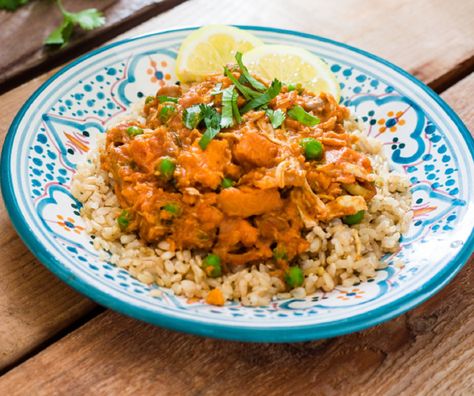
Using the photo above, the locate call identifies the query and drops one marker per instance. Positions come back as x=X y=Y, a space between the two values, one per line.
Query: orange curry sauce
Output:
x=276 y=190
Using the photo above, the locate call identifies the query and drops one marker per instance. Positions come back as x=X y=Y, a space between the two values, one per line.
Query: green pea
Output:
x=166 y=167
x=149 y=99
x=313 y=149
x=166 y=112
x=294 y=277
x=172 y=208
x=226 y=182
x=294 y=87
x=354 y=219
x=134 y=131
x=123 y=220
x=279 y=253
x=212 y=265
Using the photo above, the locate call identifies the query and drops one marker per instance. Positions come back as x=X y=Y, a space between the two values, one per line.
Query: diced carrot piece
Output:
x=215 y=297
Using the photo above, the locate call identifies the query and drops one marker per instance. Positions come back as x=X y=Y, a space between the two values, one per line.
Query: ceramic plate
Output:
x=422 y=137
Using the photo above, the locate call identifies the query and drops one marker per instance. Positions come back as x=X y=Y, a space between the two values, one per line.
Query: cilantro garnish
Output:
x=87 y=19
x=192 y=116
x=299 y=114
x=227 y=119
x=235 y=108
x=217 y=89
x=263 y=98
x=251 y=80
x=276 y=117
x=247 y=92
x=212 y=120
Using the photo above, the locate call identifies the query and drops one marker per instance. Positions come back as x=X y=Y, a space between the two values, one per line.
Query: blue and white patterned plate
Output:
x=422 y=136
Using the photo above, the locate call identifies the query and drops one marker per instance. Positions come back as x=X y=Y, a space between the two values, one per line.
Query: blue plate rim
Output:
x=230 y=332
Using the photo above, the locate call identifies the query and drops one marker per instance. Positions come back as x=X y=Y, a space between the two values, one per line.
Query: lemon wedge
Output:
x=292 y=65
x=208 y=49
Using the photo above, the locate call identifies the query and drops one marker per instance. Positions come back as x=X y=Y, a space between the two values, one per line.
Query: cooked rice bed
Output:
x=338 y=254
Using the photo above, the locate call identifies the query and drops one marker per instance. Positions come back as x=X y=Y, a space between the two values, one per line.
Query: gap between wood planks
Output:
x=448 y=80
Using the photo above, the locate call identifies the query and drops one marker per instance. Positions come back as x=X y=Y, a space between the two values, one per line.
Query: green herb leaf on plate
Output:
x=227 y=120
x=192 y=116
x=212 y=120
x=235 y=107
x=248 y=77
x=299 y=114
x=166 y=112
x=276 y=117
x=217 y=89
x=263 y=98
x=247 y=92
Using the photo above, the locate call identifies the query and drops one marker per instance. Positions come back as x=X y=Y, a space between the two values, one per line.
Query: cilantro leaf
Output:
x=299 y=114
x=11 y=5
x=226 y=118
x=245 y=72
x=192 y=116
x=235 y=108
x=212 y=120
x=166 y=112
x=87 y=19
x=61 y=34
x=208 y=135
x=217 y=89
x=248 y=93
x=276 y=117
x=263 y=98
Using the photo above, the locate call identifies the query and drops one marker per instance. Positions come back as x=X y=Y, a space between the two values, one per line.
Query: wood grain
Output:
x=22 y=33
x=34 y=306
x=429 y=351
x=432 y=39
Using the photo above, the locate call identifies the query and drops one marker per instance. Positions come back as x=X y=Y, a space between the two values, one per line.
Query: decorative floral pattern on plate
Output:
x=59 y=125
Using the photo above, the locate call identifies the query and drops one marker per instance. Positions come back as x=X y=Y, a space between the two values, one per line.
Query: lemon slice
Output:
x=206 y=50
x=292 y=65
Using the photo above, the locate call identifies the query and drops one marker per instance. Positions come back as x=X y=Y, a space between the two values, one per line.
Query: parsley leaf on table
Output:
x=87 y=19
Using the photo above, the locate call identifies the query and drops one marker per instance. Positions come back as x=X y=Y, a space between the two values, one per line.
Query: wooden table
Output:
x=55 y=341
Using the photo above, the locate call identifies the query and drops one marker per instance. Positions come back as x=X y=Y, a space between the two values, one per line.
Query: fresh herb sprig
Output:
x=212 y=120
x=245 y=73
x=299 y=114
x=11 y=5
x=276 y=117
x=264 y=98
x=227 y=119
x=87 y=19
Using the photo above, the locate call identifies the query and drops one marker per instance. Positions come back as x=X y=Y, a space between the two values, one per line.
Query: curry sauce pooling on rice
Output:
x=236 y=167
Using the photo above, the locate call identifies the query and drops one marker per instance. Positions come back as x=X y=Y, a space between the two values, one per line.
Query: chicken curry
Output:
x=236 y=166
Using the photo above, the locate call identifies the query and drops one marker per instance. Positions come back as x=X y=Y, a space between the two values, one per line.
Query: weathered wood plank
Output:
x=22 y=33
x=432 y=39
x=25 y=284
x=34 y=304
x=429 y=351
